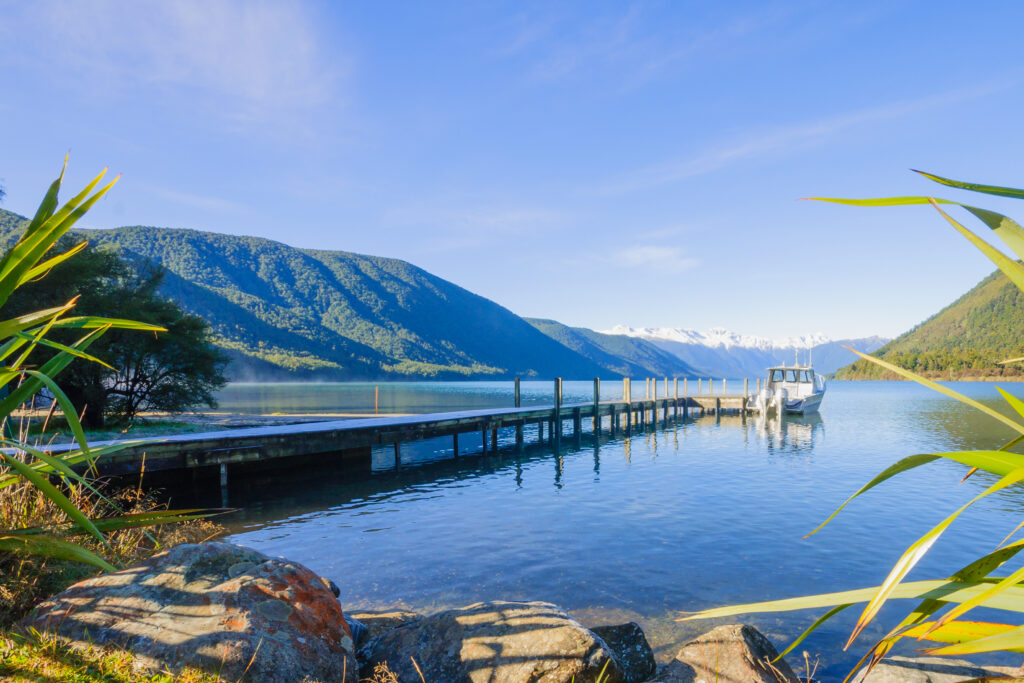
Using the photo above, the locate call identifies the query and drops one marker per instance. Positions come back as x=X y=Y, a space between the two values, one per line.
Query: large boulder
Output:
x=631 y=649
x=215 y=606
x=930 y=670
x=736 y=652
x=496 y=642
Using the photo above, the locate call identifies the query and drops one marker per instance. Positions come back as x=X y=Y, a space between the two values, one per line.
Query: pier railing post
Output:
x=711 y=386
x=700 y=388
x=597 y=405
x=518 y=399
x=557 y=431
x=686 y=391
x=746 y=389
x=724 y=391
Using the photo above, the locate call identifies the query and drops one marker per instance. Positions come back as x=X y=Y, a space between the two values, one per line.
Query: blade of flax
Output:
x=938 y=589
x=917 y=550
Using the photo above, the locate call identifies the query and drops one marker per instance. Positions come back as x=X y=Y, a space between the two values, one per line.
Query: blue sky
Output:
x=596 y=163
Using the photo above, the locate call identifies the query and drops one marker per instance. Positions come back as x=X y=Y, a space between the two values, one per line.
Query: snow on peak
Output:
x=718 y=337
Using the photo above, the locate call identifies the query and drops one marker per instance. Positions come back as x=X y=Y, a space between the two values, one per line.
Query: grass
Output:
x=26 y=579
x=45 y=658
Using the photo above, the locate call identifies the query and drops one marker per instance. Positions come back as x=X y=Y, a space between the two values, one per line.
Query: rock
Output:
x=377 y=623
x=734 y=653
x=497 y=642
x=929 y=670
x=631 y=649
x=357 y=629
x=215 y=606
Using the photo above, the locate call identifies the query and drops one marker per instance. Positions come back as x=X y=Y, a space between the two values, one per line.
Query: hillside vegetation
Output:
x=965 y=340
x=287 y=313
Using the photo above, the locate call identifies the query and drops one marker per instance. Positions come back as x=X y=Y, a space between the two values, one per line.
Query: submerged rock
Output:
x=496 y=642
x=216 y=606
x=929 y=670
x=736 y=652
x=631 y=649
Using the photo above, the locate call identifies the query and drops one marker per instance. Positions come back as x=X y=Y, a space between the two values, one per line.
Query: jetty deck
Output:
x=354 y=439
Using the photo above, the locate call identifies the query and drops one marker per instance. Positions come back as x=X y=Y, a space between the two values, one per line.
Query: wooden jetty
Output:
x=353 y=439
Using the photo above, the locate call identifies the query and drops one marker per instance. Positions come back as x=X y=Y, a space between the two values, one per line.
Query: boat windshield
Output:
x=788 y=375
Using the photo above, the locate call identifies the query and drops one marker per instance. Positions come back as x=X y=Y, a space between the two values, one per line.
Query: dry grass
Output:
x=25 y=580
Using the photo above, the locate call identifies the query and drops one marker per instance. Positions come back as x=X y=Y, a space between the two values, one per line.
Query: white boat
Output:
x=789 y=389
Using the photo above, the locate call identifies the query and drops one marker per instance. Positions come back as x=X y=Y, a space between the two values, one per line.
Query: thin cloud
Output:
x=454 y=229
x=665 y=259
x=785 y=138
x=251 y=58
x=196 y=201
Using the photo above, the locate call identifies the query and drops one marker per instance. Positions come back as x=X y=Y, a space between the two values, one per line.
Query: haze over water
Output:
x=689 y=515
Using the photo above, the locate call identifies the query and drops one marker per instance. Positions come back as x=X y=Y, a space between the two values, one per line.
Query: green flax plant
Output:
x=942 y=603
x=53 y=473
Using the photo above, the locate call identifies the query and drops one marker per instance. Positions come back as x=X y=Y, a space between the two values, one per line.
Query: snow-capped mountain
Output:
x=721 y=353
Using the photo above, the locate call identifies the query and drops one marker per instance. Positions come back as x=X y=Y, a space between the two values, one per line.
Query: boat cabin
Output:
x=798 y=381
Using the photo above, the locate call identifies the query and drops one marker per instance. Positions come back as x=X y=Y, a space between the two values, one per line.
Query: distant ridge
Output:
x=721 y=353
x=618 y=354
x=286 y=313
x=964 y=340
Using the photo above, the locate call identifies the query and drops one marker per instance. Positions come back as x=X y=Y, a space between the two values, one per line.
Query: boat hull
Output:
x=805 y=405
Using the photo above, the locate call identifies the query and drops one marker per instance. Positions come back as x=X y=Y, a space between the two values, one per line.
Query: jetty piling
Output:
x=353 y=440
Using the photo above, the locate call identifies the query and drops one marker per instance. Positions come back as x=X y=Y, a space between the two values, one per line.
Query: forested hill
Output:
x=966 y=339
x=619 y=354
x=283 y=312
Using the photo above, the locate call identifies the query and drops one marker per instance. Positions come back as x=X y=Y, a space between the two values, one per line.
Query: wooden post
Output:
x=577 y=422
x=519 y=433
x=611 y=421
x=625 y=382
x=494 y=439
x=746 y=388
x=455 y=444
x=483 y=439
x=398 y=455
x=517 y=397
x=711 y=386
x=376 y=400
x=675 y=388
x=540 y=431
x=557 y=431
x=700 y=389
x=597 y=404
x=666 y=387
x=224 y=485
x=724 y=390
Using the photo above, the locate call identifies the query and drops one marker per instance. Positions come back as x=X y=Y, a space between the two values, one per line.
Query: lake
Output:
x=699 y=513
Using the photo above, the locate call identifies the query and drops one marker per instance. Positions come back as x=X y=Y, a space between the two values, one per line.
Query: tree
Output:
x=168 y=371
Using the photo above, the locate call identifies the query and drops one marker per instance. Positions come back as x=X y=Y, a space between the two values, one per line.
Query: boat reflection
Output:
x=788 y=434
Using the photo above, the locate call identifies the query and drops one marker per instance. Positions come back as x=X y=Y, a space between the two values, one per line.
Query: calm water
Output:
x=696 y=514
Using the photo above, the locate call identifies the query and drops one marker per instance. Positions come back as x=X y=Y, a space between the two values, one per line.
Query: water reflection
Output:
x=788 y=434
x=686 y=515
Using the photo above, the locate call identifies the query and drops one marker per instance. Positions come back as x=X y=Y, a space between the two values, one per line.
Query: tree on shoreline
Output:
x=171 y=371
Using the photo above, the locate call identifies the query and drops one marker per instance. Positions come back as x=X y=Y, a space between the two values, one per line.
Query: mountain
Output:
x=618 y=354
x=720 y=353
x=283 y=312
x=966 y=339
